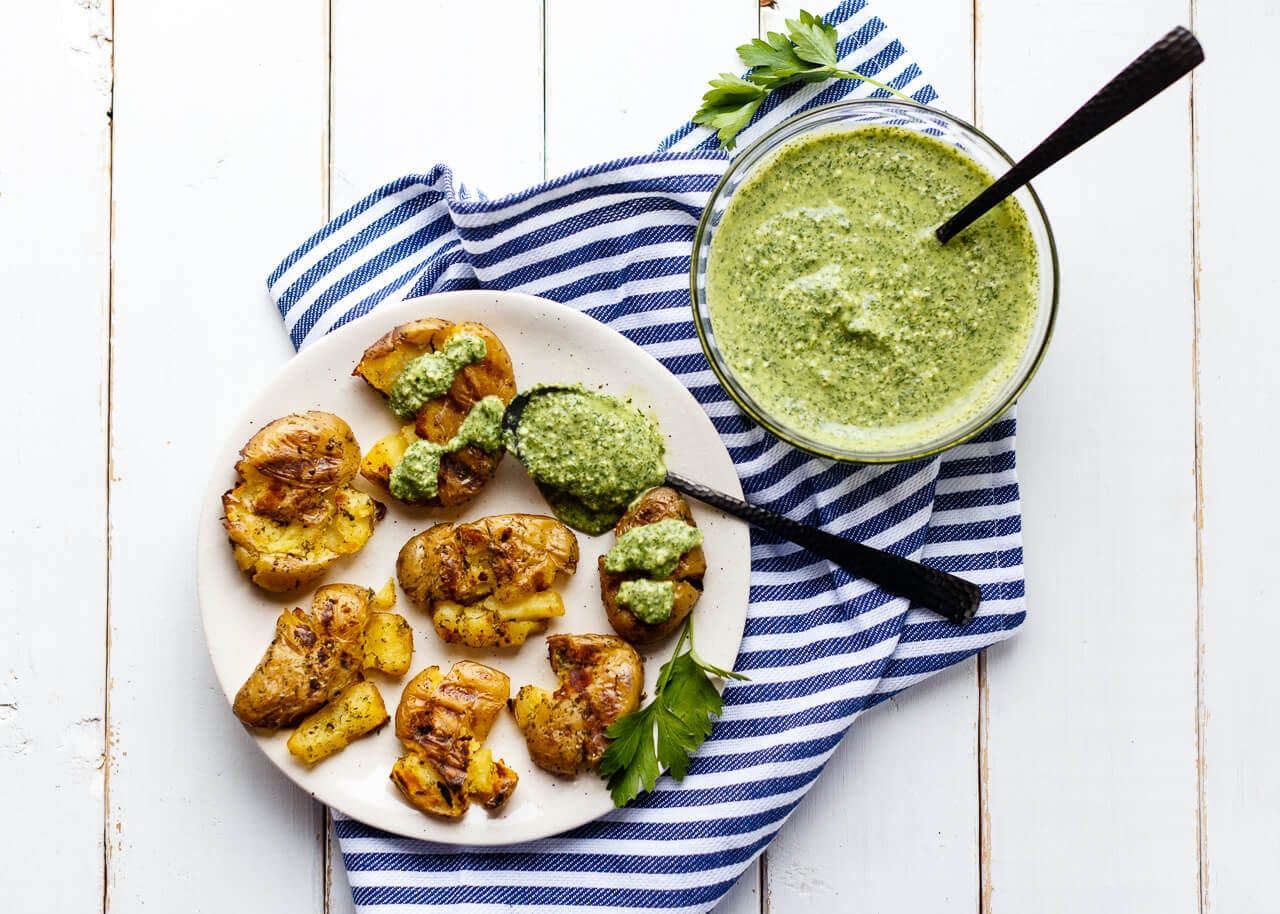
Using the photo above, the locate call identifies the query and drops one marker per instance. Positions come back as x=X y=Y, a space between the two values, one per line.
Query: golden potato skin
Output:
x=601 y=678
x=464 y=472
x=657 y=504
x=477 y=578
x=310 y=661
x=441 y=720
x=313 y=449
x=292 y=513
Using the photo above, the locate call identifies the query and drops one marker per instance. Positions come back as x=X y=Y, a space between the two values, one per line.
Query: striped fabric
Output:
x=820 y=646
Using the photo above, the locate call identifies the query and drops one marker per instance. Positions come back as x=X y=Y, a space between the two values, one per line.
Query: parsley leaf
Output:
x=807 y=53
x=815 y=41
x=630 y=763
x=728 y=105
x=668 y=730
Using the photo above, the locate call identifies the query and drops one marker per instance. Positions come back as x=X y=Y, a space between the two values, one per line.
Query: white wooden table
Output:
x=156 y=159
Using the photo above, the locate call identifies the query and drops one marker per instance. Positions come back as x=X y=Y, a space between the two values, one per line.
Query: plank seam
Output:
x=107 y=745
x=542 y=38
x=327 y=164
x=1202 y=851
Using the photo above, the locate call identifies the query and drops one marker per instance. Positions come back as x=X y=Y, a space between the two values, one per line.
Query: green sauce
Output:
x=577 y=515
x=654 y=549
x=417 y=476
x=839 y=311
x=431 y=375
x=590 y=454
x=483 y=426
x=649 y=601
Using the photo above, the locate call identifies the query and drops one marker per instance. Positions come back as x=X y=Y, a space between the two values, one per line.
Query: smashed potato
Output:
x=463 y=472
x=488 y=583
x=601 y=678
x=313 y=657
x=655 y=505
x=357 y=712
x=310 y=661
x=293 y=514
x=441 y=721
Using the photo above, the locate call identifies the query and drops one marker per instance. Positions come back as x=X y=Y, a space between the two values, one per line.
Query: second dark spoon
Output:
x=954 y=598
x=1159 y=67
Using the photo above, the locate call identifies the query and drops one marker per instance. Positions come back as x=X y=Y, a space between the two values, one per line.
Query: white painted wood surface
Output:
x=1091 y=742
x=218 y=163
x=54 y=269
x=1115 y=755
x=1239 y=400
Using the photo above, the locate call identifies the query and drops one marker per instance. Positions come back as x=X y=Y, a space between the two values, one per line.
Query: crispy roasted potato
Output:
x=489 y=782
x=312 y=659
x=441 y=721
x=492 y=623
x=315 y=449
x=356 y=712
x=601 y=678
x=388 y=643
x=388 y=637
x=384 y=455
x=481 y=581
x=293 y=514
x=657 y=504
x=385 y=599
x=462 y=473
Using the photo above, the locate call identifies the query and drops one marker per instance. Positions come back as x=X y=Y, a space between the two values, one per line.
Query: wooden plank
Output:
x=219 y=170
x=938 y=34
x=903 y=786
x=619 y=79
x=415 y=84
x=1091 y=740
x=1239 y=399
x=473 y=102
x=55 y=179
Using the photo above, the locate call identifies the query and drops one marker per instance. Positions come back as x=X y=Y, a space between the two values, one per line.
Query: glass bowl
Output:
x=963 y=138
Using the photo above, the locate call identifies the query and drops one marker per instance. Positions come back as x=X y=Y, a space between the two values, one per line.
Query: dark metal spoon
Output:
x=1159 y=67
x=954 y=598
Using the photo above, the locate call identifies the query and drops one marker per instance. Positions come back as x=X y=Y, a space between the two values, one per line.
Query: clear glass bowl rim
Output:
x=724 y=374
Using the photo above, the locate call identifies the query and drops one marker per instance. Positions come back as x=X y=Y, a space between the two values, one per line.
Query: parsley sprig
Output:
x=684 y=702
x=807 y=53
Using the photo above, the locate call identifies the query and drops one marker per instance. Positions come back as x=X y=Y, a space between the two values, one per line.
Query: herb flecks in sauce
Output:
x=590 y=454
x=417 y=476
x=649 y=601
x=654 y=549
x=837 y=308
x=483 y=426
x=431 y=375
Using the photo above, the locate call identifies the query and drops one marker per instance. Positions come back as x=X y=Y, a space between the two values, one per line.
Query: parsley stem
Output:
x=854 y=74
x=686 y=634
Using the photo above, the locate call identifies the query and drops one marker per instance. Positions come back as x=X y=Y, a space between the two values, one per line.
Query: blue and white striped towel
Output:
x=820 y=646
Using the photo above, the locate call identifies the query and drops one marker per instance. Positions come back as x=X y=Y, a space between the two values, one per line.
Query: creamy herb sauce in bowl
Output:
x=835 y=317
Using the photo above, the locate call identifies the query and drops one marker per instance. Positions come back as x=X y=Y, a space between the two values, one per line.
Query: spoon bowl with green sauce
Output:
x=829 y=310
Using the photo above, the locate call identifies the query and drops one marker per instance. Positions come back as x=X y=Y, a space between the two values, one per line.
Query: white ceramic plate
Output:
x=548 y=343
